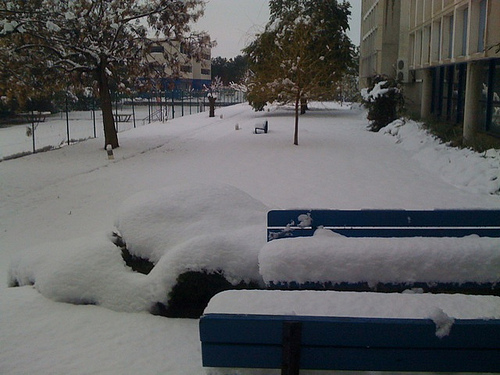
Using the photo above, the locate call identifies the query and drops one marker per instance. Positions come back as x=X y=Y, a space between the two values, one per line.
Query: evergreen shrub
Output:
x=384 y=100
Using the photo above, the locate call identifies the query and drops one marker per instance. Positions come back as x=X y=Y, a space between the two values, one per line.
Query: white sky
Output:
x=233 y=23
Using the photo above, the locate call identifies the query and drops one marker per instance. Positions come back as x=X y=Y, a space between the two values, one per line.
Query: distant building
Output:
x=191 y=74
x=445 y=52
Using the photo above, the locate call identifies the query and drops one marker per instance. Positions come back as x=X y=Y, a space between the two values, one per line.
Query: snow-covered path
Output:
x=76 y=191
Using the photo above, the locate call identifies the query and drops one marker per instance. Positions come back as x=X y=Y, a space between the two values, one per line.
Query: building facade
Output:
x=446 y=53
x=189 y=75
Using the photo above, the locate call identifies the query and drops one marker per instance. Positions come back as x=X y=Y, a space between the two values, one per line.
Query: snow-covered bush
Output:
x=384 y=100
x=192 y=292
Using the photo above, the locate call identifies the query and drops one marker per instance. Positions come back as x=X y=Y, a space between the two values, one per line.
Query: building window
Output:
x=412 y=15
x=459 y=93
x=482 y=26
x=426 y=45
x=156 y=49
x=412 y=50
x=465 y=17
x=420 y=12
x=418 y=48
x=437 y=91
x=186 y=68
x=448 y=91
x=490 y=97
x=494 y=125
x=436 y=41
x=205 y=72
x=447 y=38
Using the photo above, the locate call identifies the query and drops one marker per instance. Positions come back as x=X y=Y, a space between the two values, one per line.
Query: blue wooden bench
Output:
x=387 y=223
x=292 y=343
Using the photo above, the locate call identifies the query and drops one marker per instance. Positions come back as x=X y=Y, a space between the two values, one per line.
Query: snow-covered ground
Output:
x=79 y=125
x=51 y=201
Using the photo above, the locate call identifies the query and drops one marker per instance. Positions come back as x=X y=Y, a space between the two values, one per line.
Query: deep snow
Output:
x=53 y=200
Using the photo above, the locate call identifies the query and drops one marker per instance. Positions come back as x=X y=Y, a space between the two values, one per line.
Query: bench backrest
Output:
x=385 y=223
x=357 y=344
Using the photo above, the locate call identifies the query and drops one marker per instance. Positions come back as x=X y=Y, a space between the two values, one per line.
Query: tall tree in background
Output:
x=100 y=41
x=229 y=71
x=302 y=55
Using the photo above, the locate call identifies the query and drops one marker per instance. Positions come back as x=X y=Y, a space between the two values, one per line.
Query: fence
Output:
x=30 y=134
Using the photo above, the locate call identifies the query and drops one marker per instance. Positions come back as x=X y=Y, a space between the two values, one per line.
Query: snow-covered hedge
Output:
x=87 y=270
x=210 y=230
x=196 y=228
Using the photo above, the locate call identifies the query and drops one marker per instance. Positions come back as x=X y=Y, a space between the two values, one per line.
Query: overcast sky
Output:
x=233 y=23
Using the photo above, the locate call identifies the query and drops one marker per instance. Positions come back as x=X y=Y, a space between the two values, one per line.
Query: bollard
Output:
x=109 y=150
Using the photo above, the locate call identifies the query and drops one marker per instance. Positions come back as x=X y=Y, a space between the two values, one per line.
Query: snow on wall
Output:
x=330 y=257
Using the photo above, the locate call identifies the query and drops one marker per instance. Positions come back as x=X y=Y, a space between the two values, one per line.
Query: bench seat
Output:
x=351 y=331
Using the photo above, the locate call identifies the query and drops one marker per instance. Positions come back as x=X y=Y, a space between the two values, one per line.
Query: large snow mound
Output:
x=329 y=257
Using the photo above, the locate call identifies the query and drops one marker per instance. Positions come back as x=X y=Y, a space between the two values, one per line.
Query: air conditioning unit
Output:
x=402 y=72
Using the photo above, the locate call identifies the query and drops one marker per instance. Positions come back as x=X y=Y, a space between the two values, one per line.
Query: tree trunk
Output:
x=296 y=135
x=303 y=106
x=211 y=101
x=110 y=134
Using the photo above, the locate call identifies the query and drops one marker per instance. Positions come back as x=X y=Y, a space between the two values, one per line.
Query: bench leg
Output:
x=291 y=348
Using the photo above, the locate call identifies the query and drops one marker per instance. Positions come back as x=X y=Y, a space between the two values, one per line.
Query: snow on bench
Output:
x=312 y=330
x=383 y=250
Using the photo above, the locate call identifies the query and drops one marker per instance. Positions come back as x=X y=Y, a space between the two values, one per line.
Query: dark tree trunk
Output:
x=296 y=134
x=110 y=134
x=211 y=101
x=303 y=106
